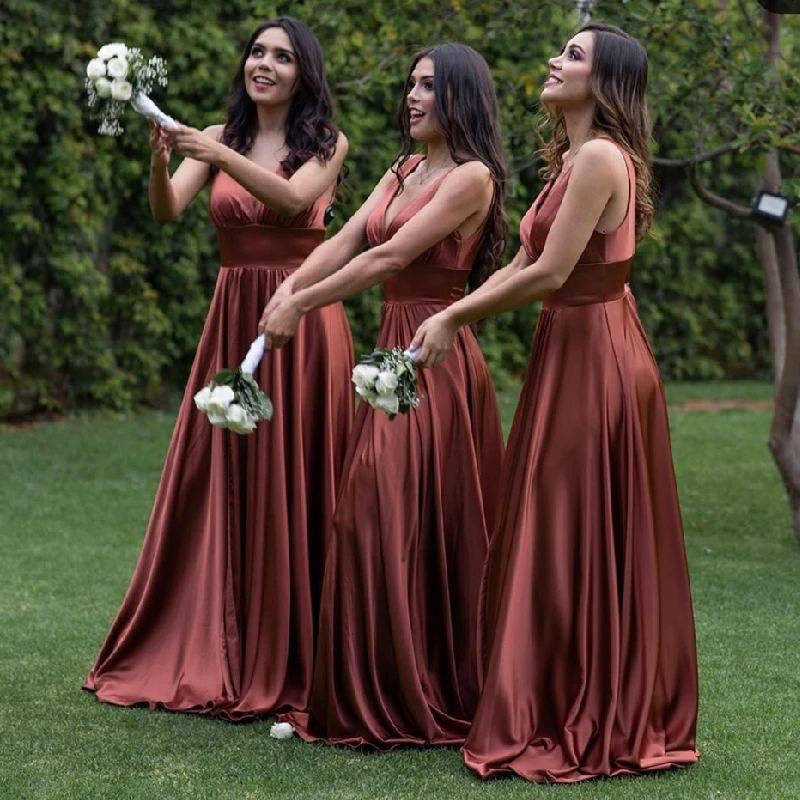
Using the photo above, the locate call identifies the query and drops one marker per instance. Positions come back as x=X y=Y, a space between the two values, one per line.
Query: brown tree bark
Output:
x=783 y=308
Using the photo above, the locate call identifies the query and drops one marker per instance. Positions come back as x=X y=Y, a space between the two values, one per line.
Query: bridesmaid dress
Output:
x=397 y=659
x=221 y=614
x=589 y=642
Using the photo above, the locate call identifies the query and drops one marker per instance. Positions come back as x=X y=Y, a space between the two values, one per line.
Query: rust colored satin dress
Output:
x=397 y=662
x=221 y=614
x=589 y=641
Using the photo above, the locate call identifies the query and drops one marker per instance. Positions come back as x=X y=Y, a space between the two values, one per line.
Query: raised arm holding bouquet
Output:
x=220 y=614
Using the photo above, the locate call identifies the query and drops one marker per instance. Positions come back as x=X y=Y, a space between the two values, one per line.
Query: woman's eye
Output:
x=428 y=85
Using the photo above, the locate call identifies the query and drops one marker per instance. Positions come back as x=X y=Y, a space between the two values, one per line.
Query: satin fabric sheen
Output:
x=397 y=662
x=589 y=641
x=221 y=613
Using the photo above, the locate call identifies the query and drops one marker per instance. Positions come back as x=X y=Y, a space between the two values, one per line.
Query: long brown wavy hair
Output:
x=310 y=129
x=468 y=114
x=619 y=84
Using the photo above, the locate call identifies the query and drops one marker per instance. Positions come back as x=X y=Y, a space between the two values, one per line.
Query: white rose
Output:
x=221 y=398
x=121 y=90
x=386 y=402
x=117 y=67
x=202 y=397
x=103 y=87
x=96 y=68
x=281 y=730
x=386 y=383
x=364 y=375
x=218 y=420
x=115 y=50
x=367 y=393
x=239 y=421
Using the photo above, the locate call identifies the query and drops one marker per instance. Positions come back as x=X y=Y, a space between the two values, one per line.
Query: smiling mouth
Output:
x=261 y=80
x=552 y=79
x=415 y=115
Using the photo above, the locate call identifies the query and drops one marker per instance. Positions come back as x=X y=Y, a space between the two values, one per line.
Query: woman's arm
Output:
x=335 y=252
x=467 y=191
x=286 y=196
x=332 y=254
x=169 y=196
x=595 y=178
x=520 y=261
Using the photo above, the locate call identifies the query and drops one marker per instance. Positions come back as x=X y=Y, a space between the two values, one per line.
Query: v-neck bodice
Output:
x=250 y=234
x=441 y=273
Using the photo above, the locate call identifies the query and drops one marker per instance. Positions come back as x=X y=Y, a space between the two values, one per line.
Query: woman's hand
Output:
x=192 y=143
x=280 y=323
x=433 y=339
x=280 y=294
x=160 y=149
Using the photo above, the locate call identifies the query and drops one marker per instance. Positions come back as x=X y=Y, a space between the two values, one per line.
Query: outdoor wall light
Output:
x=769 y=207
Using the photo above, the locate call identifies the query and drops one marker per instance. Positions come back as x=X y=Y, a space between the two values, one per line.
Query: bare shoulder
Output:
x=602 y=155
x=387 y=178
x=342 y=145
x=215 y=132
x=472 y=176
x=599 y=166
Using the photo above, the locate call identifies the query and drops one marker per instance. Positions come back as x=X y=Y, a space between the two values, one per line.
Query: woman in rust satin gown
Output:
x=397 y=662
x=221 y=614
x=590 y=666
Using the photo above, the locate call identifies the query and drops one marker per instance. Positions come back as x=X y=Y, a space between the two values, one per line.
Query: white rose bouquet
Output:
x=233 y=399
x=387 y=380
x=119 y=75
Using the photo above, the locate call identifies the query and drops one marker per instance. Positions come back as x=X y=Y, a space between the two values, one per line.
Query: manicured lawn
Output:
x=74 y=503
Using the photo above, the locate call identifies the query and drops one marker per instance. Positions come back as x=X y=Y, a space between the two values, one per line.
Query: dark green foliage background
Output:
x=101 y=306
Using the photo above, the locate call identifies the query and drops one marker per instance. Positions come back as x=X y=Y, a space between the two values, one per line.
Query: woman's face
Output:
x=568 y=82
x=271 y=70
x=423 y=119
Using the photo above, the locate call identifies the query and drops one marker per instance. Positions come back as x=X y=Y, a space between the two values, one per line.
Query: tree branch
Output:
x=698 y=158
x=735 y=209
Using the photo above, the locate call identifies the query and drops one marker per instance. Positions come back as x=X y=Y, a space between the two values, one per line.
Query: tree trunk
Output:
x=784 y=438
x=765 y=244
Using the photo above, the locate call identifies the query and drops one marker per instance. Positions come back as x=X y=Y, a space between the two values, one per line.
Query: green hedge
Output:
x=101 y=306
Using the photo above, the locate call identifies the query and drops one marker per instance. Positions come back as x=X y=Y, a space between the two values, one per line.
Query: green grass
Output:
x=678 y=394
x=717 y=391
x=74 y=503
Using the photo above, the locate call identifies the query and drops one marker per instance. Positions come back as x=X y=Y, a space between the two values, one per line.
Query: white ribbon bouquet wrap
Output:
x=233 y=399
x=119 y=76
x=387 y=380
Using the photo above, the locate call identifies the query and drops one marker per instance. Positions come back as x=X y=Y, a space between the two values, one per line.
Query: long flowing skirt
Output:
x=589 y=640
x=398 y=658
x=221 y=614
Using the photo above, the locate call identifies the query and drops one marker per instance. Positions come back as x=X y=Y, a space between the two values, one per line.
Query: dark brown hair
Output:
x=310 y=130
x=619 y=85
x=468 y=114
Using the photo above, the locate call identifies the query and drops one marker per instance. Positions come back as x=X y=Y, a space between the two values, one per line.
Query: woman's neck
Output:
x=579 y=128
x=437 y=155
x=272 y=121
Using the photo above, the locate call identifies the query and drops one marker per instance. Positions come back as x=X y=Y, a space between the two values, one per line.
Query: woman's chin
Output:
x=425 y=137
x=546 y=97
